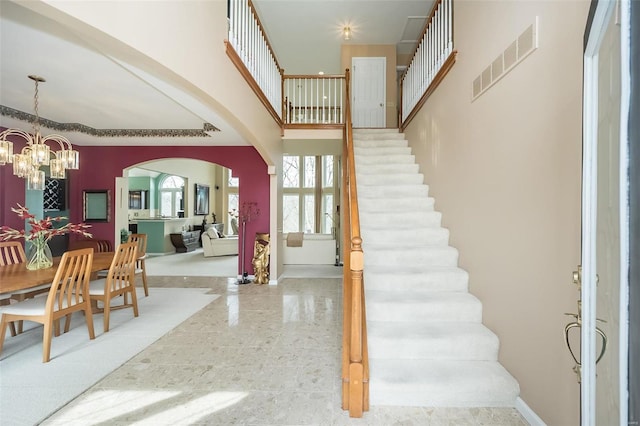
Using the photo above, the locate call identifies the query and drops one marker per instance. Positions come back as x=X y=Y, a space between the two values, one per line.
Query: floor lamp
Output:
x=248 y=211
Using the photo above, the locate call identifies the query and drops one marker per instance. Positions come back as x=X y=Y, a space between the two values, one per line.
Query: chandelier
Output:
x=36 y=152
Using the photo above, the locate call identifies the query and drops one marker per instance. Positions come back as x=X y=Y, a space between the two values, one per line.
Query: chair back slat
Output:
x=70 y=285
x=141 y=240
x=122 y=271
x=11 y=252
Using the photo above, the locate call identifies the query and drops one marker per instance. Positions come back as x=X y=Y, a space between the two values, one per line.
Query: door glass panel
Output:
x=608 y=226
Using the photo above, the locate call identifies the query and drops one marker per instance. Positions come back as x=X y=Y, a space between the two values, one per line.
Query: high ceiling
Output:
x=86 y=87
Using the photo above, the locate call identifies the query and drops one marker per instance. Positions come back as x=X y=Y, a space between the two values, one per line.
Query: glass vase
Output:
x=39 y=255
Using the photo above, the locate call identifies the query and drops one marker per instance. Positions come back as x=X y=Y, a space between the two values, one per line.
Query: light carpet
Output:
x=192 y=264
x=31 y=390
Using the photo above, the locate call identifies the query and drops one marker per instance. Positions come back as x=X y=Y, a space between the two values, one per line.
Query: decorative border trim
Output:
x=528 y=414
x=110 y=133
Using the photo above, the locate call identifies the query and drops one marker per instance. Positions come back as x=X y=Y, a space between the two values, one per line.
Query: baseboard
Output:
x=529 y=415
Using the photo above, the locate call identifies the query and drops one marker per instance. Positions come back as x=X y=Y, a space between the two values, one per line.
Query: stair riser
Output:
x=417 y=312
x=468 y=347
x=438 y=398
x=399 y=220
x=423 y=256
x=384 y=159
x=378 y=137
x=426 y=281
x=382 y=193
x=392 y=179
x=430 y=236
x=381 y=150
x=399 y=204
x=383 y=170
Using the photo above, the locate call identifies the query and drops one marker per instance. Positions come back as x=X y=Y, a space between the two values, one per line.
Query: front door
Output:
x=368 y=91
x=604 y=225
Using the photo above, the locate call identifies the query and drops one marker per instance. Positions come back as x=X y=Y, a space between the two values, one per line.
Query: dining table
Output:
x=17 y=277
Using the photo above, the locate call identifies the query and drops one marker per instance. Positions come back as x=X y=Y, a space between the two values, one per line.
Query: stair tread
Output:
x=441 y=382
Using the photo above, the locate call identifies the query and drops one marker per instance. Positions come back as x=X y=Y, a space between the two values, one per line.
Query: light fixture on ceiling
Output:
x=36 y=152
x=346 y=33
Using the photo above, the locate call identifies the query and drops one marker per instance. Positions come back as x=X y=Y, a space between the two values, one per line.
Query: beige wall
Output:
x=505 y=172
x=377 y=50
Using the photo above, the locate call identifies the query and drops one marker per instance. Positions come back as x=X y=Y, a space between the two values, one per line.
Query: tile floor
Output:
x=258 y=355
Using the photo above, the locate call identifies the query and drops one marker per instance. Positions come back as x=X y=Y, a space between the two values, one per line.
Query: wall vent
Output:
x=515 y=53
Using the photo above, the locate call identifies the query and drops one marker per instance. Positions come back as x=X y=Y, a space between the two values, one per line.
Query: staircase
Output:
x=427 y=344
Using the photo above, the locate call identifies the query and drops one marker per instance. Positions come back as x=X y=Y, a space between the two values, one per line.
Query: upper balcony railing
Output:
x=251 y=47
x=314 y=100
x=431 y=60
x=294 y=100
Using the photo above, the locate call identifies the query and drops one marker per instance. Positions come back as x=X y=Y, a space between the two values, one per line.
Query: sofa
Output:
x=214 y=244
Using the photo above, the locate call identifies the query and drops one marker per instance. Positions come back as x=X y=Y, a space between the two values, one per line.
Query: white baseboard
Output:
x=529 y=415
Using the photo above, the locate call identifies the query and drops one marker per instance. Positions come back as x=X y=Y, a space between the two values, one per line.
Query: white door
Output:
x=368 y=88
x=605 y=227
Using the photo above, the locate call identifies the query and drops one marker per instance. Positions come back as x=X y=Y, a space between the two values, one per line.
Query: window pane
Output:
x=232 y=181
x=309 y=214
x=290 y=213
x=291 y=172
x=177 y=203
x=327 y=166
x=309 y=172
x=173 y=182
x=165 y=203
x=327 y=214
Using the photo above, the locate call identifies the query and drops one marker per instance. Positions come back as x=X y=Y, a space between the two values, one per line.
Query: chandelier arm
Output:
x=17 y=132
x=61 y=140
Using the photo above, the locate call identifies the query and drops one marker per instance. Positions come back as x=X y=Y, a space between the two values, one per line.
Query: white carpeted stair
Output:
x=427 y=344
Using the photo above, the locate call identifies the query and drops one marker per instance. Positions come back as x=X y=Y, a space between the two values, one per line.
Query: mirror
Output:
x=96 y=205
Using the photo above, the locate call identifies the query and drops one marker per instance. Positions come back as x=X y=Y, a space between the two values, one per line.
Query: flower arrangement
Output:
x=40 y=233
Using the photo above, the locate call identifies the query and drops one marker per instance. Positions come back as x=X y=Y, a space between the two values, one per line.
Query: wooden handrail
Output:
x=355 y=359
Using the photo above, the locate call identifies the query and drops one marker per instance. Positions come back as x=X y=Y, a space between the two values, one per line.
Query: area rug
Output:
x=31 y=390
x=192 y=264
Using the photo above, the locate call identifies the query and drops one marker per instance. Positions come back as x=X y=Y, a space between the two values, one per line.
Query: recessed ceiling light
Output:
x=321 y=73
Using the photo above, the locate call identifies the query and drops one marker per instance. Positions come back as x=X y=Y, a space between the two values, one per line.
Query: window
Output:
x=233 y=201
x=171 y=196
x=309 y=187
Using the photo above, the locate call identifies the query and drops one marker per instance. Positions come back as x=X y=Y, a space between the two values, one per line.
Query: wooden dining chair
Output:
x=120 y=281
x=141 y=240
x=11 y=252
x=5 y=299
x=67 y=294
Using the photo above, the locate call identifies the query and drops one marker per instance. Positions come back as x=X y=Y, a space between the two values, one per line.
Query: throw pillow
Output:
x=213 y=234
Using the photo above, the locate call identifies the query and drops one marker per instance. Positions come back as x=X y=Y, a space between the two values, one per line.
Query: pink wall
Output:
x=12 y=192
x=99 y=165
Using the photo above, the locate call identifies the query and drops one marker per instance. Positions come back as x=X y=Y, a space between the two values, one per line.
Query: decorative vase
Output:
x=39 y=255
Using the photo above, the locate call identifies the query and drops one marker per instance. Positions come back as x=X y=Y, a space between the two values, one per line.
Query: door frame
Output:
x=599 y=18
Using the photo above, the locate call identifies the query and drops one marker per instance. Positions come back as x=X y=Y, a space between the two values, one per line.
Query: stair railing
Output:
x=251 y=52
x=433 y=58
x=313 y=101
x=355 y=358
